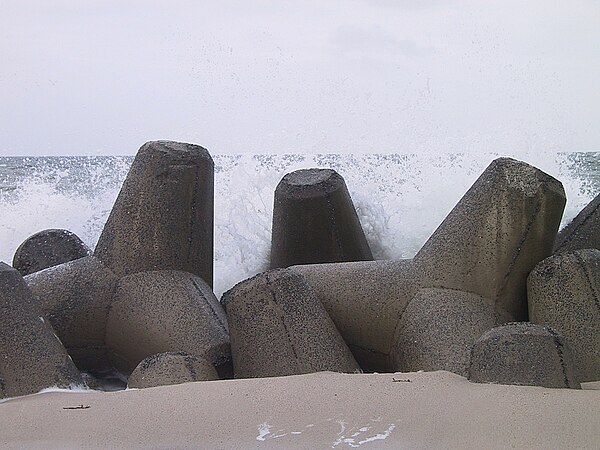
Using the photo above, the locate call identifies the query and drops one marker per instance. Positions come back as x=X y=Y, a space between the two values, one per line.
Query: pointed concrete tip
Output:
x=583 y=231
x=8 y=272
x=305 y=183
x=525 y=177
x=269 y=278
x=518 y=328
x=175 y=152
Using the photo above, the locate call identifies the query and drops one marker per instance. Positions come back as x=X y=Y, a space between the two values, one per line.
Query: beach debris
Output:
x=278 y=327
x=171 y=368
x=314 y=221
x=32 y=358
x=564 y=293
x=77 y=407
x=525 y=354
x=48 y=248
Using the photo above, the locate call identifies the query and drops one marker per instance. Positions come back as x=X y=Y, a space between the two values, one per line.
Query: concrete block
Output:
x=501 y=228
x=365 y=301
x=525 y=354
x=166 y=311
x=163 y=216
x=32 y=358
x=48 y=248
x=487 y=245
x=314 y=221
x=438 y=329
x=171 y=368
x=278 y=327
x=75 y=297
x=564 y=294
x=583 y=231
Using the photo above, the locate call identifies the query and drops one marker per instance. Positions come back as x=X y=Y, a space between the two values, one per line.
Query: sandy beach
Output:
x=322 y=410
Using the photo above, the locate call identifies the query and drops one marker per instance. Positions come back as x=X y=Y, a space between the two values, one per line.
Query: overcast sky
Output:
x=103 y=77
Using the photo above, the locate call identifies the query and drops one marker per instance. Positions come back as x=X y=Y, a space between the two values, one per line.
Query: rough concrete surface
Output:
x=48 y=248
x=564 y=293
x=166 y=311
x=501 y=228
x=279 y=327
x=163 y=216
x=32 y=358
x=75 y=298
x=438 y=329
x=314 y=221
x=171 y=368
x=365 y=301
x=583 y=231
x=525 y=354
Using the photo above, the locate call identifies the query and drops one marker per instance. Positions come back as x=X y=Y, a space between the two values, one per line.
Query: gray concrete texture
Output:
x=365 y=300
x=75 y=298
x=163 y=216
x=523 y=353
x=32 y=358
x=48 y=248
x=166 y=311
x=171 y=368
x=564 y=293
x=438 y=329
x=314 y=221
x=278 y=327
x=501 y=228
x=583 y=231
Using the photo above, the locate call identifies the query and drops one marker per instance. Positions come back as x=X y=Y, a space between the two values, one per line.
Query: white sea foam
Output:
x=400 y=200
x=264 y=429
x=73 y=389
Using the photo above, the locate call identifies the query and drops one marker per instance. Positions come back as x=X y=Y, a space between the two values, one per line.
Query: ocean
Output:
x=400 y=198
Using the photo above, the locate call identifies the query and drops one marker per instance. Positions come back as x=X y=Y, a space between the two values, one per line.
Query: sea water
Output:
x=400 y=198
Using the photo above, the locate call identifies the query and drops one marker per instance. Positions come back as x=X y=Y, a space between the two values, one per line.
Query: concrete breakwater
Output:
x=142 y=302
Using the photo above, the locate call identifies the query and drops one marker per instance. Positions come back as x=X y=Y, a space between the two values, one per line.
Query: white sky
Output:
x=103 y=77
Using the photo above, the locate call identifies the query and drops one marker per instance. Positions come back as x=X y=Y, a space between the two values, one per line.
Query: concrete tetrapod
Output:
x=525 y=354
x=75 y=298
x=438 y=329
x=171 y=368
x=31 y=356
x=278 y=327
x=48 y=248
x=583 y=231
x=501 y=228
x=163 y=216
x=314 y=221
x=166 y=311
x=564 y=294
x=365 y=300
